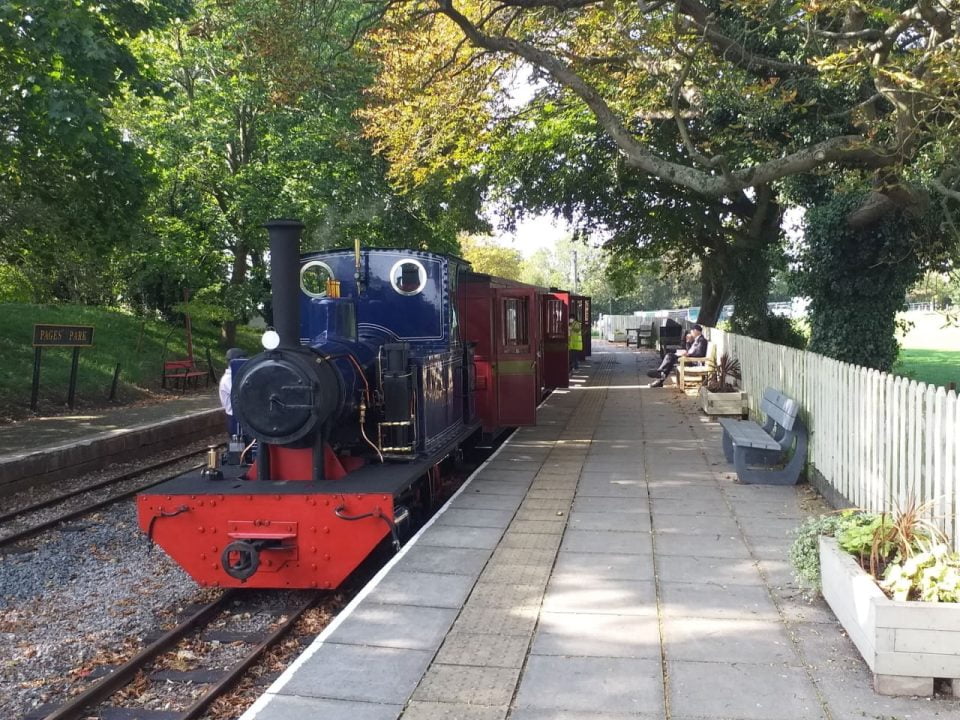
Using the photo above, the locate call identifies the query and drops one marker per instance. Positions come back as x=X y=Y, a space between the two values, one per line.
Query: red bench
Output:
x=181 y=373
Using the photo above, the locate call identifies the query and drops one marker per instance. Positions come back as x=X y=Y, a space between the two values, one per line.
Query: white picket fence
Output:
x=877 y=439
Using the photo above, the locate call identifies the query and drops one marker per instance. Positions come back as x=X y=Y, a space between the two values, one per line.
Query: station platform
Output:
x=46 y=449
x=603 y=565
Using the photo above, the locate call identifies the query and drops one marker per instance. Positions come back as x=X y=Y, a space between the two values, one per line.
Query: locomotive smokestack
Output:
x=285 y=278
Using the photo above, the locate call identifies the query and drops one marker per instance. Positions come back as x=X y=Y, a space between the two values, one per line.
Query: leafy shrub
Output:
x=805 y=551
x=904 y=551
x=932 y=575
x=717 y=379
x=784 y=331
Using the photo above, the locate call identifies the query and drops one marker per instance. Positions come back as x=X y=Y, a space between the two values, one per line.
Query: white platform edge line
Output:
x=262 y=701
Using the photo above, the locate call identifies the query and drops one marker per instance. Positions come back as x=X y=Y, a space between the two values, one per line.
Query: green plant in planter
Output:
x=716 y=379
x=931 y=575
x=805 y=551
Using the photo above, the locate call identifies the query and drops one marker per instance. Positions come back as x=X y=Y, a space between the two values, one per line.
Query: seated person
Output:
x=695 y=347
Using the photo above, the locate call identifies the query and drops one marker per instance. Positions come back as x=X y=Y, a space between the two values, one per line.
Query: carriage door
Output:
x=517 y=390
x=556 y=357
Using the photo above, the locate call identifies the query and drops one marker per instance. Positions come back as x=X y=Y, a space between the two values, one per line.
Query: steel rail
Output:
x=86 y=509
x=236 y=672
x=96 y=486
x=108 y=685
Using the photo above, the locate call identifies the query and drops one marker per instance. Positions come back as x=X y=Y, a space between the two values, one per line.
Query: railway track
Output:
x=18 y=516
x=192 y=690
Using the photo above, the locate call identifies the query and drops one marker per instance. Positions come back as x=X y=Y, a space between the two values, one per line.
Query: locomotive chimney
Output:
x=285 y=279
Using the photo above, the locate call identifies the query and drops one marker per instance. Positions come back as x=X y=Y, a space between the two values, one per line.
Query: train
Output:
x=381 y=367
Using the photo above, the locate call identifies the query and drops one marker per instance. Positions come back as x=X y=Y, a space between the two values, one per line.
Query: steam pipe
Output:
x=285 y=279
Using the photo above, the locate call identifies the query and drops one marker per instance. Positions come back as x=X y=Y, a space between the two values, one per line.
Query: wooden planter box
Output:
x=721 y=403
x=906 y=644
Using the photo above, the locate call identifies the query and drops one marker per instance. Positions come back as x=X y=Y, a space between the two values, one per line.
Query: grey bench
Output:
x=760 y=453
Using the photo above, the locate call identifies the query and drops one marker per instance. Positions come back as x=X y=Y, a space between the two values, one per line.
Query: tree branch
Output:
x=699 y=18
x=848 y=149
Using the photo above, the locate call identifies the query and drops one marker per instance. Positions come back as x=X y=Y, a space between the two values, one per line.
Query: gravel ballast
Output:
x=78 y=597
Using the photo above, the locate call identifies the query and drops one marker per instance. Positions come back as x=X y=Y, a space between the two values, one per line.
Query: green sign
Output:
x=62 y=335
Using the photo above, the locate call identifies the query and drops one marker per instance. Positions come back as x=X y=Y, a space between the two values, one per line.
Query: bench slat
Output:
x=780 y=408
x=747 y=433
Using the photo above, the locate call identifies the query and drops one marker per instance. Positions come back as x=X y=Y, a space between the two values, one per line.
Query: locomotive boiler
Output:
x=381 y=366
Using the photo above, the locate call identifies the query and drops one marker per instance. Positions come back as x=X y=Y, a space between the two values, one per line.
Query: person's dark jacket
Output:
x=698 y=348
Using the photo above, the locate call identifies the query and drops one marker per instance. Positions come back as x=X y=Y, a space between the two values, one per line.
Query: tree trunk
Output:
x=228 y=333
x=713 y=293
x=751 y=267
x=714 y=279
x=238 y=278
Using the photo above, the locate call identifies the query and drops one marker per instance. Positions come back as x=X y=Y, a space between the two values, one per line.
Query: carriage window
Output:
x=408 y=277
x=555 y=325
x=515 y=321
x=314 y=277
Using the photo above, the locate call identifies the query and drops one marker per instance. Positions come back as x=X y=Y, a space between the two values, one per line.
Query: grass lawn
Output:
x=138 y=345
x=936 y=367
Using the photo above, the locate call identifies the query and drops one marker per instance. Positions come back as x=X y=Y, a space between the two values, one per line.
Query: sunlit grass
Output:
x=936 y=367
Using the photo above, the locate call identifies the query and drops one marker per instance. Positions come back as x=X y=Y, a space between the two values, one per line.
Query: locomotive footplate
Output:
x=235 y=532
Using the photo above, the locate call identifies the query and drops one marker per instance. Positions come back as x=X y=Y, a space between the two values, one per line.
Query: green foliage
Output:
x=904 y=551
x=857 y=279
x=787 y=331
x=488 y=257
x=72 y=186
x=868 y=538
x=721 y=377
x=931 y=575
x=805 y=551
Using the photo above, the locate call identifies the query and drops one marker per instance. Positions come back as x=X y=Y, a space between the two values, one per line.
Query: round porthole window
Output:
x=313 y=278
x=408 y=277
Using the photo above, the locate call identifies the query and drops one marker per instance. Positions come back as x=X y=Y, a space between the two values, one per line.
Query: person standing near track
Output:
x=575 y=342
x=226 y=388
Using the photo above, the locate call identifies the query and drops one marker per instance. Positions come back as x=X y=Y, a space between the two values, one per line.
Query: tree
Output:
x=487 y=256
x=765 y=98
x=256 y=121
x=71 y=185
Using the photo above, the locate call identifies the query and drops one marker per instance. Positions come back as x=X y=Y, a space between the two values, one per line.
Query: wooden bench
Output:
x=183 y=372
x=692 y=370
x=760 y=453
x=645 y=336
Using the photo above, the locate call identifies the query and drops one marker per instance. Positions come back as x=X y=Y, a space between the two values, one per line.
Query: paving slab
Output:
x=586 y=519
x=356 y=672
x=589 y=569
x=472 y=499
x=728 y=641
x=625 y=685
x=456 y=561
x=417 y=710
x=612 y=506
x=567 y=594
x=476 y=518
x=748 y=691
x=708 y=570
x=426 y=589
x=467 y=685
x=397 y=626
x=293 y=707
x=597 y=635
x=717 y=600
x=460 y=536
x=607 y=541
x=721 y=547
x=486 y=650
